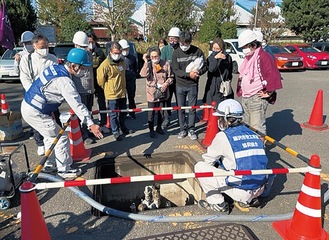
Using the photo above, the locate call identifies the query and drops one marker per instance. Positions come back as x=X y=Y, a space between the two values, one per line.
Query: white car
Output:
x=231 y=46
x=7 y=72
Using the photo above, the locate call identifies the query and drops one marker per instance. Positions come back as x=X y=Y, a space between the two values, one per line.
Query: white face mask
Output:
x=115 y=57
x=125 y=53
x=246 y=51
x=42 y=52
x=80 y=73
x=156 y=61
x=184 y=48
x=28 y=47
x=91 y=46
x=263 y=44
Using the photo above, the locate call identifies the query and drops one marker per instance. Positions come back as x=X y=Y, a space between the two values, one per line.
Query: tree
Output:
x=22 y=16
x=163 y=15
x=67 y=16
x=114 y=14
x=310 y=19
x=267 y=19
x=218 y=20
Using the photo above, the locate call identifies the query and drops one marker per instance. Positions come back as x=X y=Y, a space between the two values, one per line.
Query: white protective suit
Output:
x=38 y=64
x=214 y=186
x=58 y=90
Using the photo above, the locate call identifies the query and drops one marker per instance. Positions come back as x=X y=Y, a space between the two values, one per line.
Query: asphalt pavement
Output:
x=69 y=217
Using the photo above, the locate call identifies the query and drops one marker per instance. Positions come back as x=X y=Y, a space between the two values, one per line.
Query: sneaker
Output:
x=152 y=134
x=49 y=168
x=192 y=135
x=105 y=130
x=221 y=207
x=254 y=203
x=41 y=150
x=88 y=141
x=159 y=130
x=182 y=134
x=127 y=131
x=70 y=174
x=117 y=136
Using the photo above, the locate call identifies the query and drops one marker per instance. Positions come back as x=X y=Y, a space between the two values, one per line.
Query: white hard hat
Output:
x=124 y=43
x=27 y=36
x=259 y=35
x=80 y=38
x=229 y=108
x=246 y=37
x=174 y=32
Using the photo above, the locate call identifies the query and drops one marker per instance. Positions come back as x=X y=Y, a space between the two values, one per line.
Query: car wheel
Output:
x=235 y=68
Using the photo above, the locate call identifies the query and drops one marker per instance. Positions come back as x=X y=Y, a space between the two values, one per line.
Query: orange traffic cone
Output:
x=77 y=147
x=212 y=128
x=316 y=119
x=306 y=222
x=33 y=225
x=108 y=121
x=205 y=114
x=4 y=105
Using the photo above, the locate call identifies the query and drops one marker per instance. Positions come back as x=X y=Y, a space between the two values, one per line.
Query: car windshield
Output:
x=279 y=49
x=309 y=49
x=61 y=52
x=236 y=46
x=10 y=54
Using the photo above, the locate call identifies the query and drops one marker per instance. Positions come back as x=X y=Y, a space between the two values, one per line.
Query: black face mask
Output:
x=174 y=45
x=214 y=53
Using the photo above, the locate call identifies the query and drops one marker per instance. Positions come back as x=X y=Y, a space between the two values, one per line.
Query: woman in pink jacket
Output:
x=158 y=76
x=258 y=81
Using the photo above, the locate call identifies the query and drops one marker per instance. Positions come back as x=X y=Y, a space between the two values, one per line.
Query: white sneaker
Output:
x=41 y=150
x=105 y=129
x=70 y=174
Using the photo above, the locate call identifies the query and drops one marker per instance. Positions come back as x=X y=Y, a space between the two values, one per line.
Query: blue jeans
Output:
x=117 y=119
x=183 y=94
x=255 y=112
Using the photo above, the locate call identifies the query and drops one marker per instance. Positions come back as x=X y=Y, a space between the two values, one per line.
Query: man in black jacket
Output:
x=188 y=63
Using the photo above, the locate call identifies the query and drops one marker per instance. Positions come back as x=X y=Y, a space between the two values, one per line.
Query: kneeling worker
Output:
x=47 y=93
x=235 y=147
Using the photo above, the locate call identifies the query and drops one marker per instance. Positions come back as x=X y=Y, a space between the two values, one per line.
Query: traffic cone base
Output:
x=306 y=222
x=77 y=147
x=316 y=119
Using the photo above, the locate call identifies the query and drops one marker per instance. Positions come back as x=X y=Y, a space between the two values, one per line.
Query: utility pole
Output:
x=256 y=12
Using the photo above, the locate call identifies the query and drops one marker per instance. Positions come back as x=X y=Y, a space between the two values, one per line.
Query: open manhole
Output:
x=128 y=196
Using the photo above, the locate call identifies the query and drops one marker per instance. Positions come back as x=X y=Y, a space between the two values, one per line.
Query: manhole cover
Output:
x=218 y=232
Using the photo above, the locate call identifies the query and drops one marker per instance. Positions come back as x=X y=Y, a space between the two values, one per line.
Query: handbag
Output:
x=158 y=94
x=225 y=87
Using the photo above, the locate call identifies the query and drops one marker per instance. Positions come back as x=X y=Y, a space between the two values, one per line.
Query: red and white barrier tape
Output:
x=152 y=109
x=165 y=177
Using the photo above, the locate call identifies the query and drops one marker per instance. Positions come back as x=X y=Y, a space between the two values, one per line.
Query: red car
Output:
x=286 y=60
x=313 y=58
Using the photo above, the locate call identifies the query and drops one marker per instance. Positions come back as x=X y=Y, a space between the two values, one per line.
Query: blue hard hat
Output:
x=78 y=56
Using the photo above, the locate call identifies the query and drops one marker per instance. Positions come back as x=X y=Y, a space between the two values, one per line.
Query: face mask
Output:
x=28 y=47
x=174 y=45
x=91 y=46
x=42 y=52
x=80 y=73
x=185 y=48
x=156 y=61
x=263 y=44
x=125 y=53
x=246 y=51
x=115 y=57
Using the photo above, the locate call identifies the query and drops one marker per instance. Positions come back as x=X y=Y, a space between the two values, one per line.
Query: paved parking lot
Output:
x=69 y=217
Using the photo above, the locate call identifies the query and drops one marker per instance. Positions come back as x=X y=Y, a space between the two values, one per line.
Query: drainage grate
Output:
x=218 y=232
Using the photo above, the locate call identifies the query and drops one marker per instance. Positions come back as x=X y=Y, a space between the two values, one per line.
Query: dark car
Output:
x=322 y=46
x=61 y=50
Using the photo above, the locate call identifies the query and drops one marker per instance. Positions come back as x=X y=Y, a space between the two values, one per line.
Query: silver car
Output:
x=7 y=72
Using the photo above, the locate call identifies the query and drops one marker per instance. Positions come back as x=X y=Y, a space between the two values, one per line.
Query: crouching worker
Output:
x=235 y=147
x=47 y=93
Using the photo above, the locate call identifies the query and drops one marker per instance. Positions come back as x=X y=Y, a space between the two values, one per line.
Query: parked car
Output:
x=286 y=60
x=7 y=72
x=322 y=46
x=313 y=58
x=61 y=50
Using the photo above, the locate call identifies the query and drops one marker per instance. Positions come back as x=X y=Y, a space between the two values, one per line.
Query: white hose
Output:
x=198 y=218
